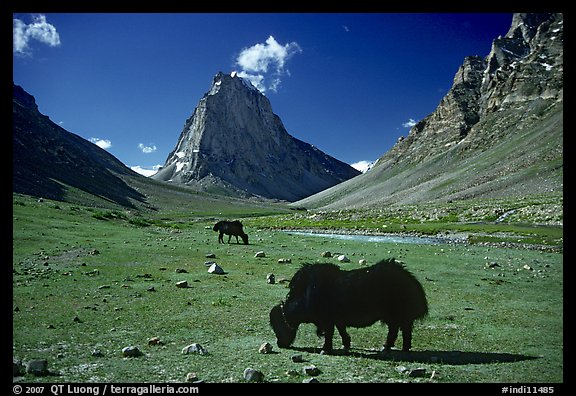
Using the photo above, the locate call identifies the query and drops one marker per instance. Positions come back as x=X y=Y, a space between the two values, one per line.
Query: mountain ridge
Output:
x=47 y=160
x=498 y=131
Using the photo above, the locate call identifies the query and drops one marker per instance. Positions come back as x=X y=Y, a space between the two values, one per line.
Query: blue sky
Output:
x=348 y=83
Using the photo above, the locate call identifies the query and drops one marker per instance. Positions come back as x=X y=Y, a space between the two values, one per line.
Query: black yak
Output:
x=329 y=297
x=230 y=228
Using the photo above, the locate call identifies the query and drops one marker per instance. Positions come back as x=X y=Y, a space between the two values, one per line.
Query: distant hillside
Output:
x=52 y=163
x=49 y=161
x=234 y=143
x=498 y=132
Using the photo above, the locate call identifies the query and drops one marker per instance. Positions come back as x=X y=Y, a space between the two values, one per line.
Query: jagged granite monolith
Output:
x=233 y=142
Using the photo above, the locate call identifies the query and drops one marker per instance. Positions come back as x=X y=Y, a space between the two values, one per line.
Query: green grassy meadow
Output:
x=87 y=280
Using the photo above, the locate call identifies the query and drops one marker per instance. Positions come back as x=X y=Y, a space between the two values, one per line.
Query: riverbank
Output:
x=445 y=237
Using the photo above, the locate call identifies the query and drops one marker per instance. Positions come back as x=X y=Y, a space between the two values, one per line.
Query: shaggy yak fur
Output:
x=230 y=228
x=329 y=297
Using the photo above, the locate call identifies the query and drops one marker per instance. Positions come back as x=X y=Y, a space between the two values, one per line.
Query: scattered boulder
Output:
x=252 y=375
x=260 y=254
x=417 y=372
x=265 y=348
x=311 y=380
x=18 y=368
x=155 y=341
x=284 y=261
x=343 y=258
x=131 y=351
x=180 y=271
x=326 y=254
x=311 y=370
x=182 y=284
x=297 y=358
x=362 y=261
x=194 y=348
x=38 y=367
x=270 y=279
x=192 y=377
x=210 y=255
x=216 y=269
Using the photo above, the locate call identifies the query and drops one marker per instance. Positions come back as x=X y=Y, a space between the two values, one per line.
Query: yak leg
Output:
x=392 y=335
x=406 y=336
x=221 y=237
x=344 y=335
x=237 y=239
x=328 y=335
x=229 y=237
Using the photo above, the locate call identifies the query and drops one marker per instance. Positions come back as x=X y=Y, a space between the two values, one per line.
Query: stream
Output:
x=411 y=239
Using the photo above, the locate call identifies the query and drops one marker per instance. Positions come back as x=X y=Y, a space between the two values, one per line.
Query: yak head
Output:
x=285 y=332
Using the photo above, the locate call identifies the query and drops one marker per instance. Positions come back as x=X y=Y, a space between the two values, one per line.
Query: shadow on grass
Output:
x=441 y=357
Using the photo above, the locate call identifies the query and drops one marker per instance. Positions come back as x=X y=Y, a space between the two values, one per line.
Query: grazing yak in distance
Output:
x=230 y=228
x=329 y=297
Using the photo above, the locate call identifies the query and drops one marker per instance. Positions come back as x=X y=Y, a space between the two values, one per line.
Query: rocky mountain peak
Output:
x=233 y=141
x=497 y=132
x=524 y=65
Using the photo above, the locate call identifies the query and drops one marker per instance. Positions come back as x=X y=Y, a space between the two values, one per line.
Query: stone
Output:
x=270 y=279
x=311 y=370
x=38 y=367
x=260 y=254
x=194 y=348
x=297 y=358
x=284 y=261
x=343 y=258
x=131 y=351
x=362 y=261
x=417 y=372
x=215 y=269
x=326 y=254
x=155 y=341
x=311 y=380
x=182 y=284
x=18 y=368
x=252 y=375
x=210 y=255
x=265 y=348
x=191 y=377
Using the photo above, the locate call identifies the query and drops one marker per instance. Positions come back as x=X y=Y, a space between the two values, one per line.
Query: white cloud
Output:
x=146 y=170
x=362 y=166
x=263 y=58
x=39 y=30
x=146 y=149
x=102 y=143
x=256 y=79
x=409 y=124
